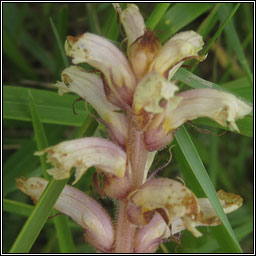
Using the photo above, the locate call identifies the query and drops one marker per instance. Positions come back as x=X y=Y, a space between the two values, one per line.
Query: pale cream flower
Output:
x=84 y=153
x=178 y=206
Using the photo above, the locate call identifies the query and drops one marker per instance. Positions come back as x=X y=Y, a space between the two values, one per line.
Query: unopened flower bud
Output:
x=142 y=52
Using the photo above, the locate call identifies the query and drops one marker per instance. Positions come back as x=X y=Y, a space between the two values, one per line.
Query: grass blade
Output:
x=234 y=41
x=38 y=52
x=220 y=29
x=51 y=108
x=192 y=157
x=12 y=52
x=65 y=239
x=20 y=163
x=110 y=28
x=40 y=136
x=197 y=82
x=206 y=26
x=93 y=18
x=157 y=15
x=17 y=207
x=178 y=16
x=60 y=44
x=66 y=243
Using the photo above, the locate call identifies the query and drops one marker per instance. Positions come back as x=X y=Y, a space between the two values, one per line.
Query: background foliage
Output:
x=35 y=116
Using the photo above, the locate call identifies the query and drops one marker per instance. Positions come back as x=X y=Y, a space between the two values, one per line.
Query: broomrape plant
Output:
x=141 y=109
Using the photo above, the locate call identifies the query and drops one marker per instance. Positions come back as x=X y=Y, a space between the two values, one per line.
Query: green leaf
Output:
x=208 y=23
x=13 y=53
x=40 y=136
x=51 y=108
x=19 y=164
x=64 y=234
x=62 y=22
x=110 y=28
x=197 y=82
x=59 y=43
x=157 y=15
x=66 y=243
x=178 y=16
x=37 y=51
x=220 y=29
x=17 y=207
x=245 y=125
x=93 y=18
x=193 y=158
x=240 y=87
x=234 y=41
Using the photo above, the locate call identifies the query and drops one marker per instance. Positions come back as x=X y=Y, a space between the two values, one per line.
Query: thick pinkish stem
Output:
x=137 y=156
x=124 y=230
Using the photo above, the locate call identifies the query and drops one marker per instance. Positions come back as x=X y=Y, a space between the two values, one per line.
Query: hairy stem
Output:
x=137 y=156
x=124 y=230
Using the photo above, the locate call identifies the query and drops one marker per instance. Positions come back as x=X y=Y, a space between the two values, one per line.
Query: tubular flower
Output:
x=84 y=210
x=178 y=206
x=90 y=87
x=84 y=153
x=141 y=109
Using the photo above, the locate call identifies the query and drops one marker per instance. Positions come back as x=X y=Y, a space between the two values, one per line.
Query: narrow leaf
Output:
x=12 y=52
x=51 y=108
x=40 y=135
x=202 y=177
x=64 y=235
x=93 y=18
x=233 y=40
x=157 y=15
x=178 y=16
x=17 y=207
x=59 y=43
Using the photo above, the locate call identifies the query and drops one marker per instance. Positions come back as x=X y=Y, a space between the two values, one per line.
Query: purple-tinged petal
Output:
x=115 y=187
x=84 y=153
x=90 y=87
x=148 y=238
x=220 y=106
x=119 y=79
x=157 y=135
x=85 y=211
